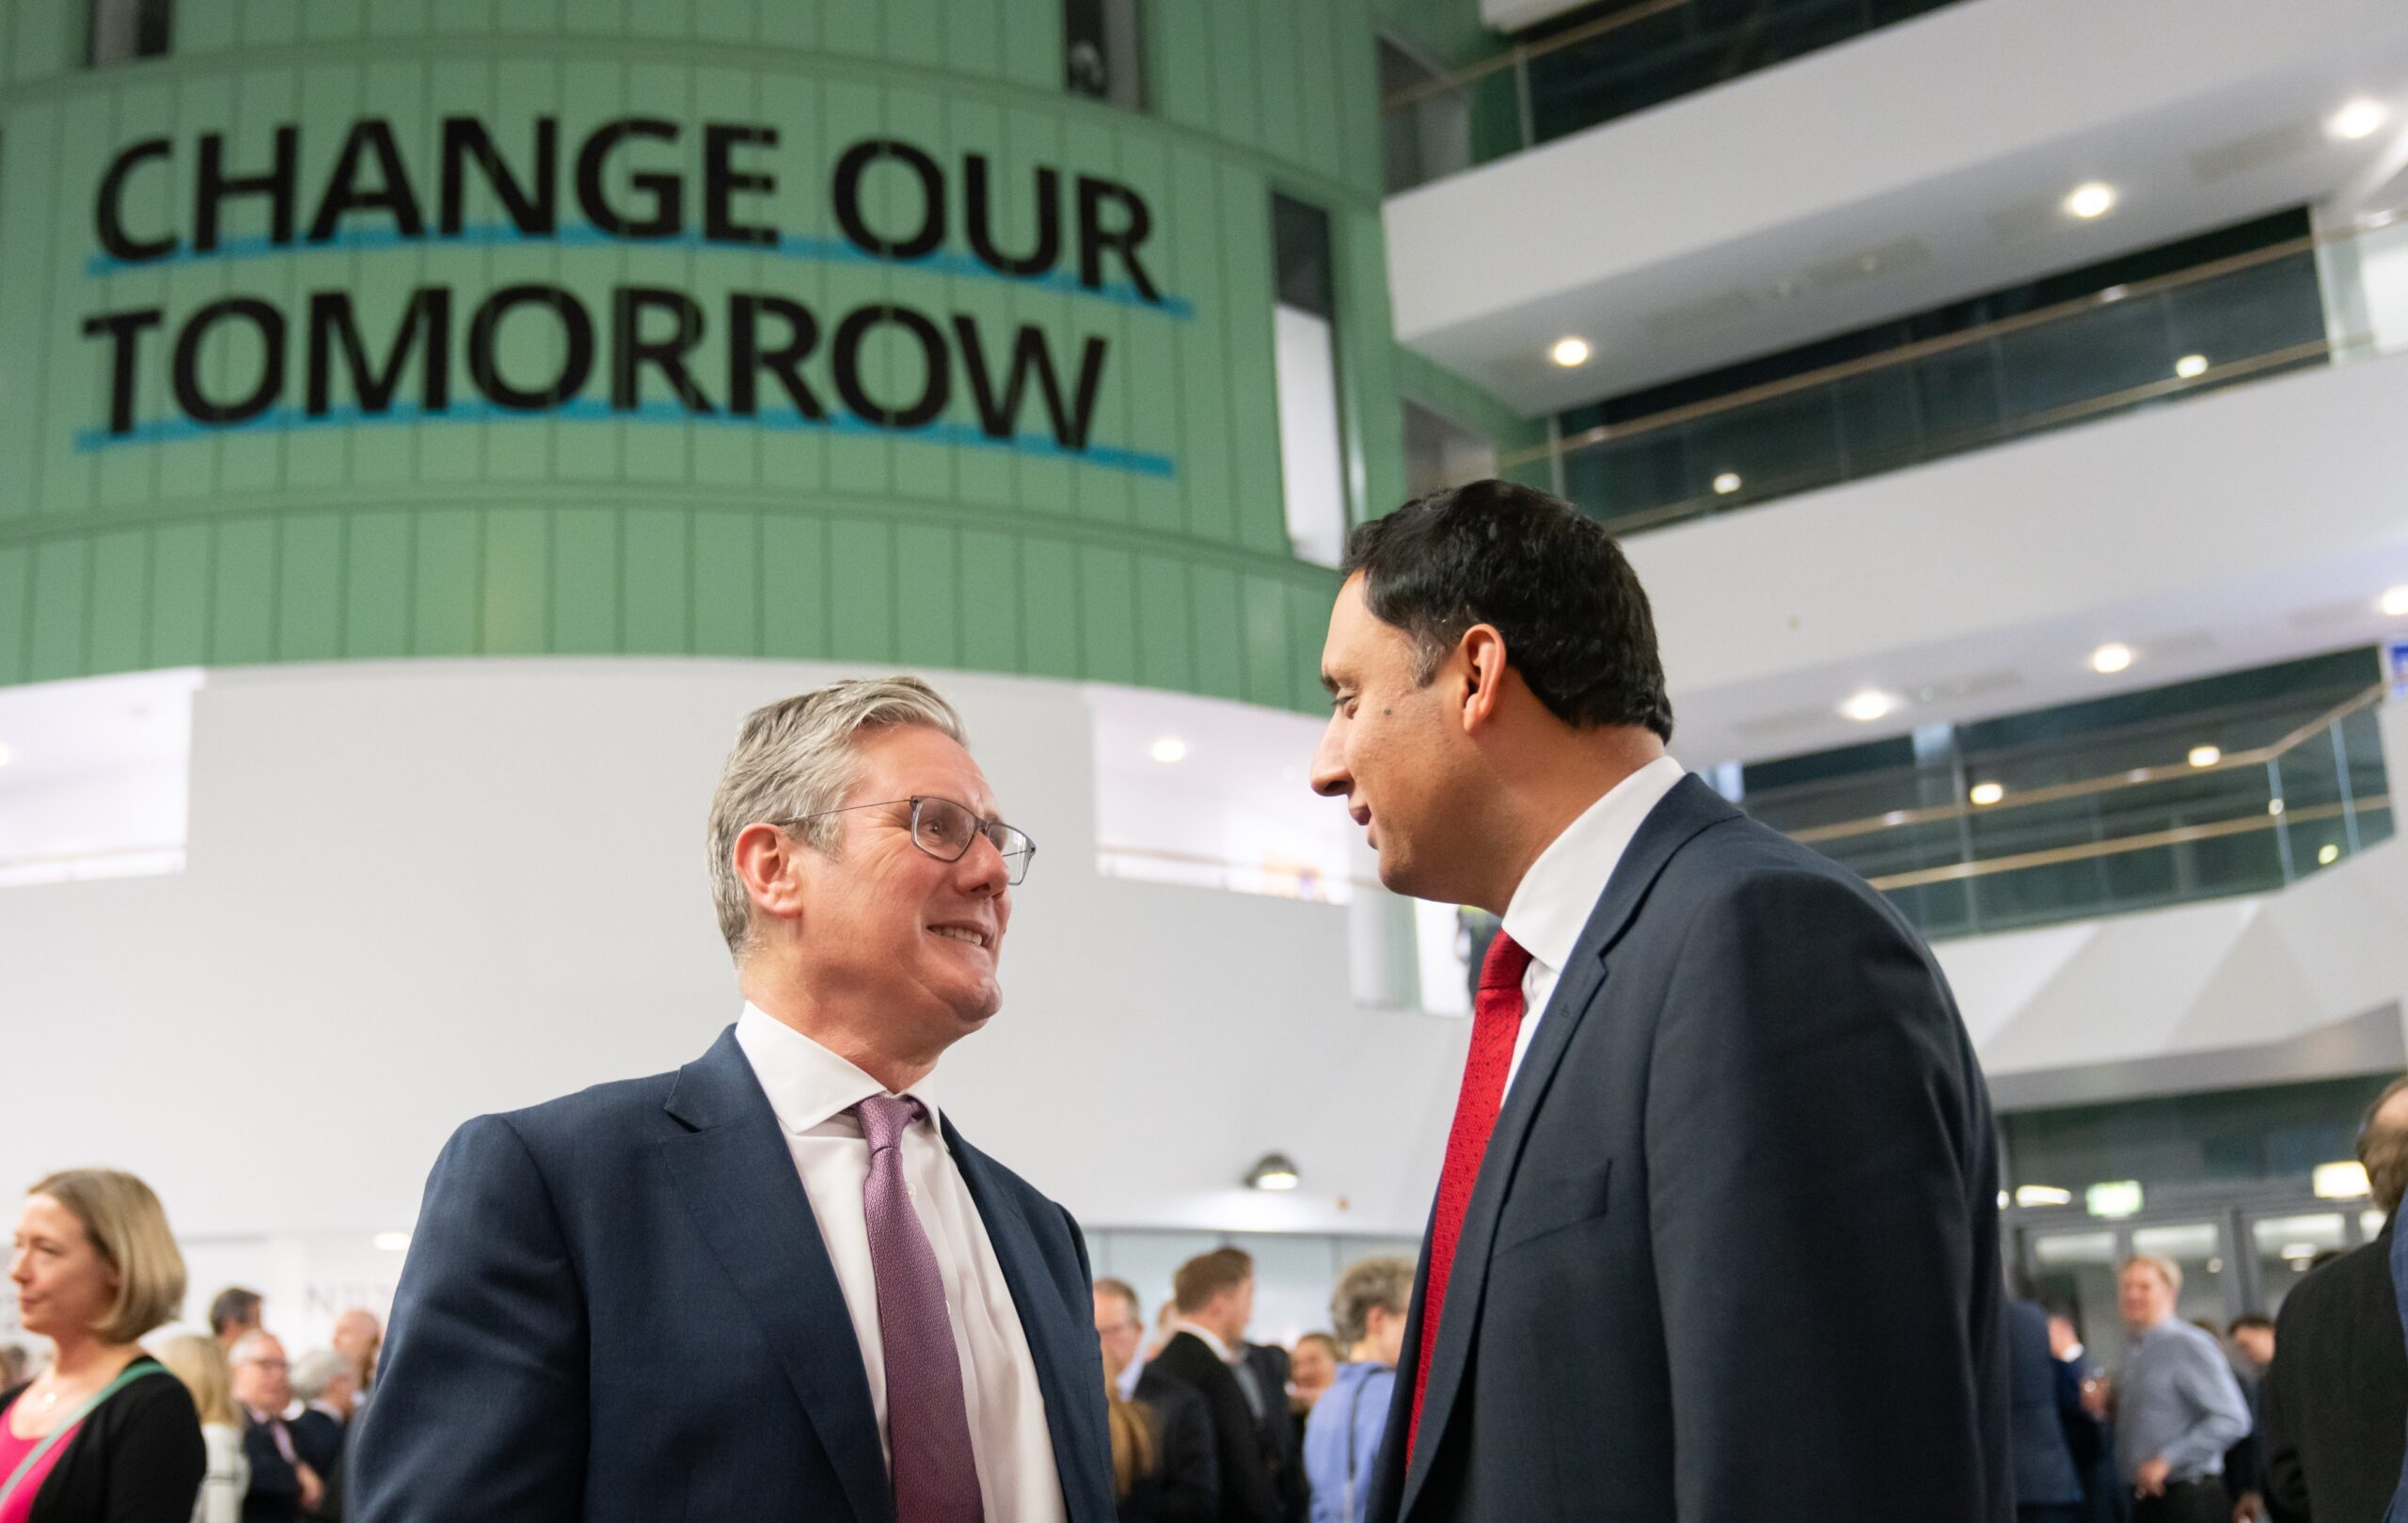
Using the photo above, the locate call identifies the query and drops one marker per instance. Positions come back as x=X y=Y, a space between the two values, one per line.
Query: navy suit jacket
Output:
x=618 y=1307
x=1732 y=1251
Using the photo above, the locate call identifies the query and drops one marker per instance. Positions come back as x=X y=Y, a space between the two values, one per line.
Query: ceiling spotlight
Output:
x=2091 y=200
x=1274 y=1171
x=1169 y=749
x=2394 y=601
x=1986 y=793
x=1868 y=706
x=2327 y=854
x=1726 y=484
x=2191 y=367
x=1570 y=353
x=2110 y=659
x=2042 y=1195
x=2357 y=119
x=2275 y=807
x=2341 y=1181
x=2206 y=755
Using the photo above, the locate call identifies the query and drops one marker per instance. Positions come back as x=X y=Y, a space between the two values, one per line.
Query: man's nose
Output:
x=1330 y=778
x=982 y=868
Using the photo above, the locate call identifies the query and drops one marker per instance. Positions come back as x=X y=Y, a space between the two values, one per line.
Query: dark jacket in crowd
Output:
x=321 y=1439
x=138 y=1458
x=1185 y=1485
x=1247 y=1492
x=2334 y=1405
x=2044 y=1466
x=274 y=1496
x=1282 y=1436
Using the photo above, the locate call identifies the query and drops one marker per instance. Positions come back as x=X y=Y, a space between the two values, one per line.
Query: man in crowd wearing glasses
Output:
x=777 y=1277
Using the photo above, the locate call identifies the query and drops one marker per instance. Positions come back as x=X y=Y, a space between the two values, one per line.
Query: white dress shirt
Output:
x=810 y=1088
x=1551 y=906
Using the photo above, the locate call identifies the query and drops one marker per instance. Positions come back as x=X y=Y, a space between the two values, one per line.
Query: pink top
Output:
x=13 y=1450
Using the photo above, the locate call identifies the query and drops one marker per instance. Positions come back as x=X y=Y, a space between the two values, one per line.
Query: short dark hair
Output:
x=234 y=1308
x=1197 y=1281
x=2250 y=1319
x=1576 y=621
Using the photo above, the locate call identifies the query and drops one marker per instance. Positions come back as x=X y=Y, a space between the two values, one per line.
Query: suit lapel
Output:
x=1689 y=808
x=1072 y=1385
x=737 y=1178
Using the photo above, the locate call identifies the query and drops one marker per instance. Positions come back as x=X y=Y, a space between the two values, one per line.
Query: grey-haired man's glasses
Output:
x=947 y=831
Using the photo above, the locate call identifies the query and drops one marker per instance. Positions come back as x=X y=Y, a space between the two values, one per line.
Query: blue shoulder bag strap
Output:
x=125 y=1377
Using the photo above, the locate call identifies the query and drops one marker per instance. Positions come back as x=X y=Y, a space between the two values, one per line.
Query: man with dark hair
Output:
x=235 y=1312
x=1722 y=1134
x=2250 y=1347
x=1214 y=1293
x=2334 y=1405
x=1186 y=1486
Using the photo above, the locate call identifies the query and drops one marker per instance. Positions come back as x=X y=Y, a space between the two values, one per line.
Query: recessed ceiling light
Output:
x=2327 y=854
x=2394 y=601
x=2206 y=755
x=1986 y=793
x=1726 y=484
x=2093 y=200
x=2357 y=119
x=2190 y=366
x=2042 y=1195
x=2340 y=1181
x=1868 y=706
x=1169 y=749
x=1570 y=351
x=2112 y=657
x=2275 y=807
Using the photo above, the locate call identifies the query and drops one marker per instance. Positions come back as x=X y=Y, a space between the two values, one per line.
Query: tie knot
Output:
x=1505 y=964
x=884 y=1116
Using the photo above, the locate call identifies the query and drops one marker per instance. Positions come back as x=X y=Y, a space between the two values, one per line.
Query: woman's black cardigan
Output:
x=138 y=1458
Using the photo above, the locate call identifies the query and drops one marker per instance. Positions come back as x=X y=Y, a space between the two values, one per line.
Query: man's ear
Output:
x=1481 y=656
x=771 y=865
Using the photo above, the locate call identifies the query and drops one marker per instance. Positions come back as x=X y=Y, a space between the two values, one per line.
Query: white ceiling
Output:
x=1885 y=176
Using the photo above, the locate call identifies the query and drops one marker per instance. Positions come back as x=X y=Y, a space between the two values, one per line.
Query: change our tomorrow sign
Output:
x=774 y=361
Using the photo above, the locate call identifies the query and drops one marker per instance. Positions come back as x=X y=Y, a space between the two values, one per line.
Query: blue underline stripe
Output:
x=960 y=436
x=502 y=234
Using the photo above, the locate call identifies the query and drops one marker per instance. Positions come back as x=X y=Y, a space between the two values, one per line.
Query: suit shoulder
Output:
x=598 y=1113
x=1744 y=867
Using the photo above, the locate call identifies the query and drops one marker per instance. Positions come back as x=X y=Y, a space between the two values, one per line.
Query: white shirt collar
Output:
x=1552 y=903
x=806 y=1082
x=1212 y=1339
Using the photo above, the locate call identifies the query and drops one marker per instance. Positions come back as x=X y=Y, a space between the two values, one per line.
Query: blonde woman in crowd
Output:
x=201 y=1364
x=106 y=1431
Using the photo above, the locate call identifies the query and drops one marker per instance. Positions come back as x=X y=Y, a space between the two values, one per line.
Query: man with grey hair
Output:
x=326 y=1384
x=779 y=1272
x=2178 y=1408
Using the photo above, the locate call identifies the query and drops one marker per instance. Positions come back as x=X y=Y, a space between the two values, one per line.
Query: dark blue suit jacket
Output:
x=1733 y=1252
x=617 y=1306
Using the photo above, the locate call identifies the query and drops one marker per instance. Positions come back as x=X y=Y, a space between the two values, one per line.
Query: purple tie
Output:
x=928 y=1425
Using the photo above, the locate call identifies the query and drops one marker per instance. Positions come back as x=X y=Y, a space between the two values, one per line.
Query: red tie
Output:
x=1496 y=1019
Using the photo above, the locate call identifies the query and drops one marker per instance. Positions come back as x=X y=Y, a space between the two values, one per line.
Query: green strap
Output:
x=125 y=1377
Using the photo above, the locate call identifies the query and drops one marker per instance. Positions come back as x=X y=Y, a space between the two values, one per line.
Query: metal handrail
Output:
x=1948 y=342
x=2086 y=787
x=2086 y=850
x=1522 y=52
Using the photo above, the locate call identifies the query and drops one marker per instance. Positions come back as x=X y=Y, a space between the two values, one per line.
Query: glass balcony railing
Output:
x=2015 y=843
x=2153 y=342
x=1597 y=65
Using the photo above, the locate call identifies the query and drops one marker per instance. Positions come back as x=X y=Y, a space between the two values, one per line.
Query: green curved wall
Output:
x=1152 y=551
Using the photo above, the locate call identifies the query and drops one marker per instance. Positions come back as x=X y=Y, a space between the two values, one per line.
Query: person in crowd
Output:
x=14 y=1366
x=1180 y=1482
x=1214 y=1293
x=2047 y=1486
x=357 y=1335
x=106 y=1431
x=285 y=1486
x=1312 y=1364
x=2178 y=1408
x=234 y=1312
x=2334 y=1405
x=1265 y=1378
x=560 y=1344
x=327 y=1382
x=201 y=1364
x=1343 y=1437
x=2087 y=1436
x=1165 y=1325
x=2250 y=1349
x=1622 y=1268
